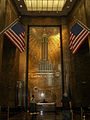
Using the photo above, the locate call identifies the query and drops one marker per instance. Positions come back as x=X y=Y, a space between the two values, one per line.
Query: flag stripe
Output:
x=22 y=38
x=80 y=38
x=72 y=37
x=15 y=36
x=78 y=35
x=80 y=43
x=13 y=42
x=16 y=39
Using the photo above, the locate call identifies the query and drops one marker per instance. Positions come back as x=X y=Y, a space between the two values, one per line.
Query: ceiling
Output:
x=44 y=7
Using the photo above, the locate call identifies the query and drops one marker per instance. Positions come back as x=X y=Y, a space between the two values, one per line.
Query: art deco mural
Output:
x=45 y=64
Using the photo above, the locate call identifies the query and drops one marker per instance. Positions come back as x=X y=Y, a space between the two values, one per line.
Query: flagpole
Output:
x=62 y=65
x=26 y=100
x=10 y=25
x=79 y=22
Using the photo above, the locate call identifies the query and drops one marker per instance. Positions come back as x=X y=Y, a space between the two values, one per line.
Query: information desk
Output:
x=45 y=107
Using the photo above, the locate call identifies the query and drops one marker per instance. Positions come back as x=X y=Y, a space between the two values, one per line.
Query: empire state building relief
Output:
x=44 y=65
x=44 y=68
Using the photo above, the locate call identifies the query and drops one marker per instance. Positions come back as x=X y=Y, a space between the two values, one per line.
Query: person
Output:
x=66 y=104
x=44 y=101
x=32 y=104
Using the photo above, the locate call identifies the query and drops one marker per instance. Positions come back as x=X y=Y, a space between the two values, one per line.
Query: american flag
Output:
x=16 y=35
x=78 y=35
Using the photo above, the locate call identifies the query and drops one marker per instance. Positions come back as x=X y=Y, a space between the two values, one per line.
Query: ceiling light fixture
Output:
x=68 y=6
x=20 y=6
x=70 y=0
x=45 y=5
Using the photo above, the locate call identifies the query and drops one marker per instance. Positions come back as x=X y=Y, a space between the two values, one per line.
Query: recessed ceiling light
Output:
x=20 y=6
x=45 y=5
x=70 y=0
x=68 y=6
x=84 y=82
x=18 y=0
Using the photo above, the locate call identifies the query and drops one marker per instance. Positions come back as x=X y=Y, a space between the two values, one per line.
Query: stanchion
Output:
x=8 y=114
x=81 y=113
x=83 y=117
x=72 y=114
x=0 y=112
x=0 y=109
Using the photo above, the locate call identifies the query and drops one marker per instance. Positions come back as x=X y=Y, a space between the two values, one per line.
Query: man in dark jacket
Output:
x=66 y=104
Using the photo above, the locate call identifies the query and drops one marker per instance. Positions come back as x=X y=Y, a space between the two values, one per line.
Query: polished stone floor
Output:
x=76 y=115
x=38 y=116
x=42 y=116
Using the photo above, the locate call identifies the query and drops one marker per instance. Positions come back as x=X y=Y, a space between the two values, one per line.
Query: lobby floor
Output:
x=38 y=116
x=42 y=116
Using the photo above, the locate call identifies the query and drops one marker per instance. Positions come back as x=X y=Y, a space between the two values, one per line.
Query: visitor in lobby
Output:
x=66 y=105
x=44 y=101
x=32 y=104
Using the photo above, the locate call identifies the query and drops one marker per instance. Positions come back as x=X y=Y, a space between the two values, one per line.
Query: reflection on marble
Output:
x=45 y=116
x=40 y=116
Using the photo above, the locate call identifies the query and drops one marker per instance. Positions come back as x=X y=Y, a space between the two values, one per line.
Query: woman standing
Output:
x=32 y=104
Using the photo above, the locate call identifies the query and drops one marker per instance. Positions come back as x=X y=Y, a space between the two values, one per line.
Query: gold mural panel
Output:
x=45 y=80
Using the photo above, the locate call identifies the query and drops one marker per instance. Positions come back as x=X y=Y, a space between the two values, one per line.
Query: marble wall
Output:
x=9 y=58
x=80 y=64
x=13 y=64
x=49 y=21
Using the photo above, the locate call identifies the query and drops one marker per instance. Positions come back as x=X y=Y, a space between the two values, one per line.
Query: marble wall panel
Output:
x=42 y=84
x=80 y=65
x=8 y=57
